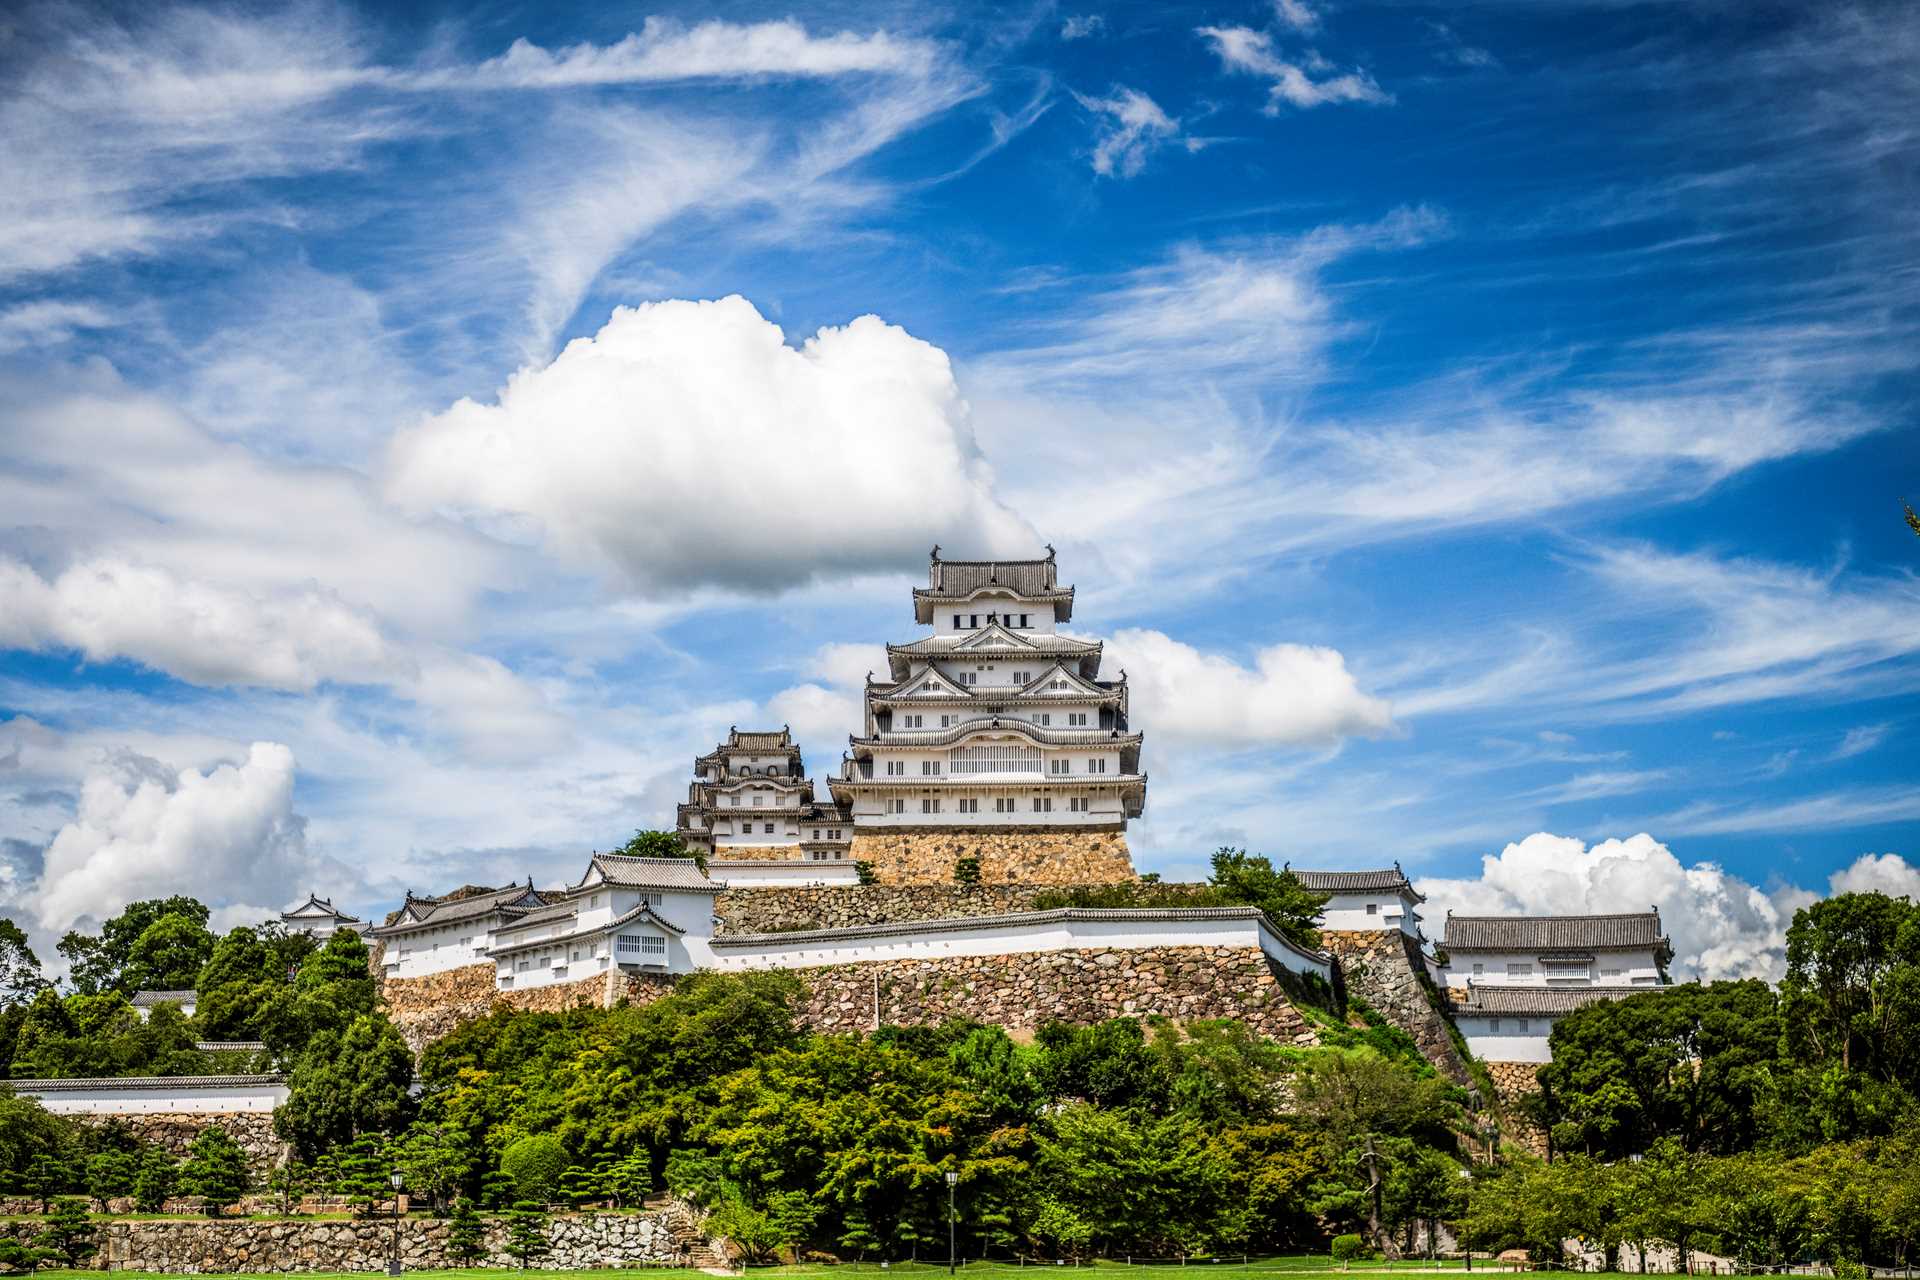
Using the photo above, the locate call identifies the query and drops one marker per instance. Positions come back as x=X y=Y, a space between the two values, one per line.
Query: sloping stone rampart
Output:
x=292 y=1245
x=1024 y=992
x=1383 y=967
x=1043 y=855
x=780 y=910
x=426 y=1009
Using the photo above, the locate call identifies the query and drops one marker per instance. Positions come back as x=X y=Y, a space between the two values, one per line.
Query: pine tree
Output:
x=527 y=1233
x=21 y=1257
x=154 y=1183
x=69 y=1233
x=216 y=1169
x=627 y=1180
x=467 y=1235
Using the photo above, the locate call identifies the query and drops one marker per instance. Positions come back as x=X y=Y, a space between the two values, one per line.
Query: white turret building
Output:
x=751 y=800
x=1361 y=901
x=994 y=718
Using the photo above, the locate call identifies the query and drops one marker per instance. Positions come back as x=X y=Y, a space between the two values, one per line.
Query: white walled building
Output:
x=318 y=917
x=994 y=719
x=751 y=798
x=1508 y=979
x=1512 y=1024
x=144 y=1002
x=647 y=915
x=1358 y=901
x=432 y=935
x=1621 y=950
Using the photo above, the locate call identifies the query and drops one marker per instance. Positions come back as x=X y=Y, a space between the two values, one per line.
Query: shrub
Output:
x=1348 y=1247
x=864 y=872
x=966 y=870
x=466 y=1235
x=535 y=1163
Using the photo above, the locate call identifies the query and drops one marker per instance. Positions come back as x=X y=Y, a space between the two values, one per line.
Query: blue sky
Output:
x=1479 y=429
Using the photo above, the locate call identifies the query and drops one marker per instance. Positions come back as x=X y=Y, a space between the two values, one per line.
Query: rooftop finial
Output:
x=1049 y=553
x=934 y=555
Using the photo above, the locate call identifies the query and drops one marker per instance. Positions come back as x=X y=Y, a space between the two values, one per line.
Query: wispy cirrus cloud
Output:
x=1246 y=51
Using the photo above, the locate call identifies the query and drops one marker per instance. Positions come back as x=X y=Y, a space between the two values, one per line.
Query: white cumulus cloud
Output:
x=1887 y=873
x=197 y=631
x=1292 y=695
x=229 y=835
x=687 y=445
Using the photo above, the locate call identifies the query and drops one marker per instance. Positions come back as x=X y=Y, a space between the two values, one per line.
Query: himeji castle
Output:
x=751 y=800
x=992 y=721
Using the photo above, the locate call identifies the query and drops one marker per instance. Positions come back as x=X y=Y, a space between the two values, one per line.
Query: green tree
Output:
x=346 y=1085
x=98 y=964
x=20 y=979
x=1852 y=989
x=168 y=955
x=69 y=1233
x=434 y=1159
x=289 y=1182
x=535 y=1163
x=21 y=1257
x=47 y=1174
x=466 y=1234
x=656 y=844
x=527 y=1234
x=215 y=1169
x=1251 y=881
x=154 y=1182
x=966 y=870
x=627 y=1180
x=110 y=1175
x=238 y=986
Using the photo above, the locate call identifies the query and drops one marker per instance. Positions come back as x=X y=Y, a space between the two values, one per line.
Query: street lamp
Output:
x=952 y=1231
x=393 y=1261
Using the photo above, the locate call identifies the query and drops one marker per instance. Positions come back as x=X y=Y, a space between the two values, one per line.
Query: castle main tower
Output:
x=993 y=736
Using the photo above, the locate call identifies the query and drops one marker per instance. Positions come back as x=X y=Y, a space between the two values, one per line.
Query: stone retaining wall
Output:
x=781 y=910
x=1041 y=855
x=1383 y=967
x=427 y=1009
x=1024 y=992
x=174 y=1132
x=1514 y=1081
x=292 y=1245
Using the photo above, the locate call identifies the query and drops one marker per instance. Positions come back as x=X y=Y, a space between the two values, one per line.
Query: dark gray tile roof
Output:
x=436 y=912
x=229 y=1046
x=1628 y=930
x=143 y=1082
x=1388 y=880
x=1030 y=641
x=1546 y=1002
x=654 y=873
x=962 y=577
x=148 y=999
x=600 y=930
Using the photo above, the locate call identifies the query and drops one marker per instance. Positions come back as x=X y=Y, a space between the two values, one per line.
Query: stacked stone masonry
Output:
x=1023 y=992
x=426 y=1009
x=841 y=907
x=1513 y=1081
x=1039 y=856
x=292 y=1245
x=1384 y=968
x=174 y=1132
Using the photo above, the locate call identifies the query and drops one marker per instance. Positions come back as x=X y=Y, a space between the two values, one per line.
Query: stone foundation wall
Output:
x=780 y=910
x=1383 y=967
x=427 y=1009
x=1514 y=1081
x=293 y=1245
x=174 y=1132
x=1042 y=855
x=1024 y=992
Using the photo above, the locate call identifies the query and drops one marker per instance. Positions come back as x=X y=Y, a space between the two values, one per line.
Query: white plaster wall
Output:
x=1509 y=1043
x=1636 y=968
x=1039 y=616
x=1021 y=939
x=1348 y=911
x=158 y=1099
x=736 y=875
x=435 y=949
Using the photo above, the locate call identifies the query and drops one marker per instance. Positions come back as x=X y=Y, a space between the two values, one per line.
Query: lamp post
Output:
x=393 y=1260
x=952 y=1230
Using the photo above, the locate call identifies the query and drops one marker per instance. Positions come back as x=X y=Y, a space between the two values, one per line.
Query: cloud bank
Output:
x=687 y=445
